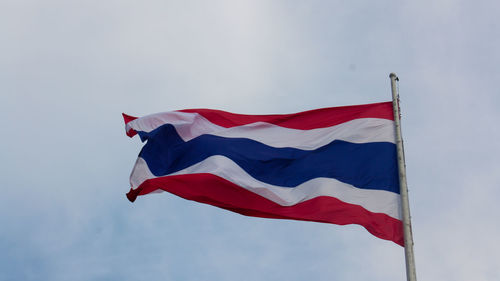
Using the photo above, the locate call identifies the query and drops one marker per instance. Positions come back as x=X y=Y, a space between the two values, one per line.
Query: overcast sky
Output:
x=68 y=69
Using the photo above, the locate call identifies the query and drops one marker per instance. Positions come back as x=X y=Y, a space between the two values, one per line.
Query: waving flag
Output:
x=334 y=165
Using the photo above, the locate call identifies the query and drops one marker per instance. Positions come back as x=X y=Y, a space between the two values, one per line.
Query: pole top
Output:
x=393 y=75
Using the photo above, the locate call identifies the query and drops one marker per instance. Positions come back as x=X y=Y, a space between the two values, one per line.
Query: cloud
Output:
x=68 y=69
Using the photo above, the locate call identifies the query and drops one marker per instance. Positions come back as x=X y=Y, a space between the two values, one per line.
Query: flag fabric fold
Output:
x=335 y=165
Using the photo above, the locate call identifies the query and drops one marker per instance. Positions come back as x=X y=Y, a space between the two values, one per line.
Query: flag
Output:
x=334 y=165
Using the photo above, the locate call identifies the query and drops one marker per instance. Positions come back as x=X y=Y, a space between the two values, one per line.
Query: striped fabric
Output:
x=334 y=165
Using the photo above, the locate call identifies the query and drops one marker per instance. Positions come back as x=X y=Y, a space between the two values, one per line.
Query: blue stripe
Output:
x=367 y=165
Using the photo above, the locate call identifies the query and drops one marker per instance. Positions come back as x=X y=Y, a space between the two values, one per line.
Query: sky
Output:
x=68 y=69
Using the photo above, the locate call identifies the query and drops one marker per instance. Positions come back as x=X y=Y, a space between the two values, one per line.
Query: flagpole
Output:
x=405 y=206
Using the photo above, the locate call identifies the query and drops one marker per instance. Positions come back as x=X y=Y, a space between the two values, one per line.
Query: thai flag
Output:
x=335 y=165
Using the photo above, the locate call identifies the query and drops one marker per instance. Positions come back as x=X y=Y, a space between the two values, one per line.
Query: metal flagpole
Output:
x=405 y=206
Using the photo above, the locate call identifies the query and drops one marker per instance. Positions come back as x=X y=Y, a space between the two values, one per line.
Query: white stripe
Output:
x=192 y=125
x=376 y=201
x=140 y=173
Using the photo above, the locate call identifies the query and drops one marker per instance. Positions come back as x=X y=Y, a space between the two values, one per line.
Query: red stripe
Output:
x=312 y=119
x=128 y=118
x=216 y=191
